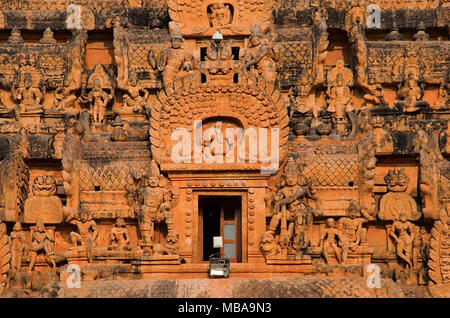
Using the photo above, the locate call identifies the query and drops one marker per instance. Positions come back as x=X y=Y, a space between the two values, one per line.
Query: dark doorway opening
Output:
x=220 y=216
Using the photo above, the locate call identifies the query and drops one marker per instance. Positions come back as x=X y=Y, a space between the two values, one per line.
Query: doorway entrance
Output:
x=220 y=216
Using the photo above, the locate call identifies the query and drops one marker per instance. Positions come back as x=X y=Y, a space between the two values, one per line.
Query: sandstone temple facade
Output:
x=312 y=136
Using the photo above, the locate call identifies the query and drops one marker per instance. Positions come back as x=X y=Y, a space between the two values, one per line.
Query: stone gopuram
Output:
x=311 y=136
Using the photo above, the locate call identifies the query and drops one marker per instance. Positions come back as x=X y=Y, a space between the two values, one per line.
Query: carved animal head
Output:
x=396 y=180
x=44 y=185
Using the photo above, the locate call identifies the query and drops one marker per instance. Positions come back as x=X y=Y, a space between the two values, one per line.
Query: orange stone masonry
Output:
x=311 y=136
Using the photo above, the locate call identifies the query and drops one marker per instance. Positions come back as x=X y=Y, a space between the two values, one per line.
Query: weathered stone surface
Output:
x=326 y=287
x=311 y=136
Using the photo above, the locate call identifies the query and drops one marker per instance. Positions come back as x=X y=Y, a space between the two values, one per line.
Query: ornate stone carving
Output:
x=292 y=212
x=329 y=241
x=47 y=37
x=269 y=245
x=65 y=94
x=18 y=246
x=434 y=176
x=14 y=178
x=261 y=57
x=99 y=113
x=98 y=92
x=339 y=102
x=394 y=35
x=119 y=237
x=397 y=201
x=320 y=27
x=71 y=165
x=5 y=258
x=87 y=232
x=410 y=95
x=135 y=101
x=439 y=249
x=382 y=138
x=303 y=99
x=421 y=35
x=176 y=64
x=42 y=241
x=219 y=63
x=28 y=86
x=118 y=134
x=153 y=207
x=402 y=232
x=367 y=163
x=121 y=58
x=354 y=234
x=231 y=16
x=444 y=93
x=219 y=15
x=44 y=203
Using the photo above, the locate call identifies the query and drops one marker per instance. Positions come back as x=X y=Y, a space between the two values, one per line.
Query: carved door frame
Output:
x=197 y=245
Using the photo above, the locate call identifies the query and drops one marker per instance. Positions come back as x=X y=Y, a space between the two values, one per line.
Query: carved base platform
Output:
x=157 y=260
x=289 y=260
x=363 y=255
x=117 y=254
x=76 y=256
x=31 y=118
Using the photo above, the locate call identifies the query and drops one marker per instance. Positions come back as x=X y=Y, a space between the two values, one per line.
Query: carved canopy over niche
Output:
x=246 y=107
x=200 y=17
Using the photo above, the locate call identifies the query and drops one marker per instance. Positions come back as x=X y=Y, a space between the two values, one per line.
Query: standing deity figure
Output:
x=292 y=211
x=328 y=241
x=174 y=61
x=99 y=99
x=339 y=102
x=262 y=55
x=119 y=236
x=27 y=95
x=17 y=247
x=443 y=99
x=353 y=233
x=136 y=99
x=42 y=240
x=402 y=231
x=154 y=207
x=219 y=15
x=87 y=231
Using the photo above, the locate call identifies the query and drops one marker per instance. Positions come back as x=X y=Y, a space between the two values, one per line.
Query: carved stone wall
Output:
x=325 y=122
